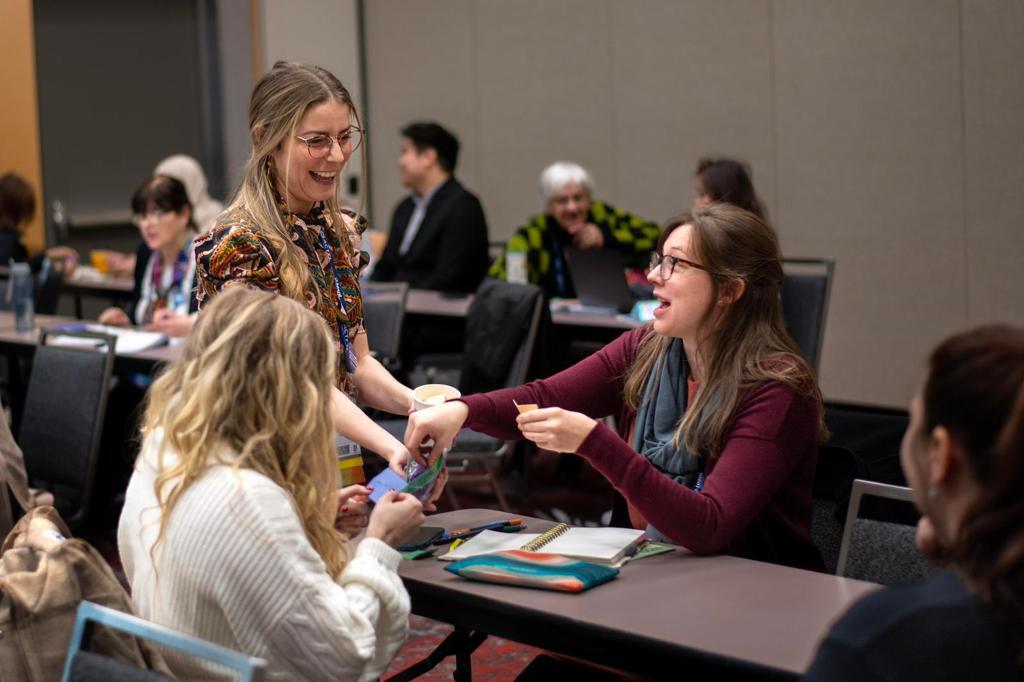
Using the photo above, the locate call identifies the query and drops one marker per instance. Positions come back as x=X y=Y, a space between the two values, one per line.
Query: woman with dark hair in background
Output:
x=728 y=181
x=963 y=455
x=17 y=206
x=162 y=298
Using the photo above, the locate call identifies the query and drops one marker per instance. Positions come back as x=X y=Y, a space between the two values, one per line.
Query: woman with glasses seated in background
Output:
x=719 y=417
x=162 y=299
x=963 y=455
x=727 y=181
x=231 y=529
x=286 y=232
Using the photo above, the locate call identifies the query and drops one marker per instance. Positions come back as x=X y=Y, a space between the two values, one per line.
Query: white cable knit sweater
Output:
x=235 y=568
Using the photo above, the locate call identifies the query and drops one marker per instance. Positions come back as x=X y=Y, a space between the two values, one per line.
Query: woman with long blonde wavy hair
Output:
x=286 y=232
x=719 y=417
x=231 y=528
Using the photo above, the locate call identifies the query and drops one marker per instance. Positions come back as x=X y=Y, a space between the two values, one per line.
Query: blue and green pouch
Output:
x=533 y=569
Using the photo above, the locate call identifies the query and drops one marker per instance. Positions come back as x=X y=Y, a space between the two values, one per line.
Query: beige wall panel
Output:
x=421 y=65
x=993 y=54
x=546 y=95
x=870 y=158
x=321 y=32
x=682 y=92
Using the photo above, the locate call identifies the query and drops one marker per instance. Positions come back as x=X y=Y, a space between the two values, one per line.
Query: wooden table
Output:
x=115 y=290
x=698 y=617
x=24 y=343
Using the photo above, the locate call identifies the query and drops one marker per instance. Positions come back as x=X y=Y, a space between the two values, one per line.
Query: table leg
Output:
x=78 y=305
x=461 y=644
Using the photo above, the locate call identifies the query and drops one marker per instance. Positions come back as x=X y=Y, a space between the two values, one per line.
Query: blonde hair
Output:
x=279 y=101
x=749 y=344
x=252 y=390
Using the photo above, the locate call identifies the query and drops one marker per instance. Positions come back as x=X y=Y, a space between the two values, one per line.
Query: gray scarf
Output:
x=663 y=404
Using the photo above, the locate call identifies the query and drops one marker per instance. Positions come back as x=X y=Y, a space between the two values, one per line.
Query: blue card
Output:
x=385 y=481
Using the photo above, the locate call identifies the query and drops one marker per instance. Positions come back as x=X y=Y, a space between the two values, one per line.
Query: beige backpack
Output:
x=44 y=574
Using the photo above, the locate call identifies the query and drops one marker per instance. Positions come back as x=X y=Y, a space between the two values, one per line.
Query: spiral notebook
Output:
x=599 y=545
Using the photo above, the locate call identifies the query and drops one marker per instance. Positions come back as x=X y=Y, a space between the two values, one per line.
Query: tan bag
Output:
x=44 y=574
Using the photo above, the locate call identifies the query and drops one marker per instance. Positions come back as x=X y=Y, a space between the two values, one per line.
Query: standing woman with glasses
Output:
x=162 y=298
x=719 y=417
x=286 y=232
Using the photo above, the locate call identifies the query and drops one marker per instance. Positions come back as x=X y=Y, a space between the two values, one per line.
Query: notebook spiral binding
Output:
x=544 y=538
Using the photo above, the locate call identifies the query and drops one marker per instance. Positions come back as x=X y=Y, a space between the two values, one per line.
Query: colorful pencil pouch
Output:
x=533 y=569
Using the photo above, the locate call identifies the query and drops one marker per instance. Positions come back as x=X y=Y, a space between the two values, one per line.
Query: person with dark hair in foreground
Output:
x=962 y=455
x=729 y=181
x=438 y=236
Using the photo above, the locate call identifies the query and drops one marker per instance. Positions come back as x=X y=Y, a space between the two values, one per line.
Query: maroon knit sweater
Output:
x=756 y=501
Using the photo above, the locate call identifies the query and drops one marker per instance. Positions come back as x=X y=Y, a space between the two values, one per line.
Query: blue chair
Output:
x=82 y=665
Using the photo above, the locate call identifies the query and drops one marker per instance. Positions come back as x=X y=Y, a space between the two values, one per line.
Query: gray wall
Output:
x=886 y=134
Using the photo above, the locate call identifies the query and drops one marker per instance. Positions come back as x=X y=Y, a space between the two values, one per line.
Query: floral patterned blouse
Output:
x=235 y=252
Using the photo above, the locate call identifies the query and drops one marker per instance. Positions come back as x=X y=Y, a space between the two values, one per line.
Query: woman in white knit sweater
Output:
x=231 y=529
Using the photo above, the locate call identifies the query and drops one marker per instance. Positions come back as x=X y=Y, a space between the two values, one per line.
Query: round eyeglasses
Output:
x=319 y=144
x=155 y=214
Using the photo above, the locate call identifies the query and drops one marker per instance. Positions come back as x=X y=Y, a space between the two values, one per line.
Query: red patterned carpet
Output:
x=496 y=659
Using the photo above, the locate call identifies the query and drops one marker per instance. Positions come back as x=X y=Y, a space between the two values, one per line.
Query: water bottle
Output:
x=20 y=294
x=60 y=221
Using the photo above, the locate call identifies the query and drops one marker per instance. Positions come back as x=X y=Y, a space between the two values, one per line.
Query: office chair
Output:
x=383 y=316
x=806 y=288
x=880 y=551
x=65 y=406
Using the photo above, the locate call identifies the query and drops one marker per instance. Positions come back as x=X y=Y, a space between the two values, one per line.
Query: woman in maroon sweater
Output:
x=719 y=416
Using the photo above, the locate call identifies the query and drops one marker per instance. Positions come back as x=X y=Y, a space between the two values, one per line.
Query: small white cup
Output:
x=515 y=267
x=429 y=395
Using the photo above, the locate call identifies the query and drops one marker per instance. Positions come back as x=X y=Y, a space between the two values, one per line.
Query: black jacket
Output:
x=448 y=253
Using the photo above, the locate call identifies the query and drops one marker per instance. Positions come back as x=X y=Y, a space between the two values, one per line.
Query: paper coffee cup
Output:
x=429 y=395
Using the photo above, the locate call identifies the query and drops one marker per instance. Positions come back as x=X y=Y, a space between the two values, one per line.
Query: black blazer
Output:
x=448 y=253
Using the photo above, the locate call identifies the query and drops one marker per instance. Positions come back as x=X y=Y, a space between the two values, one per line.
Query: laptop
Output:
x=600 y=279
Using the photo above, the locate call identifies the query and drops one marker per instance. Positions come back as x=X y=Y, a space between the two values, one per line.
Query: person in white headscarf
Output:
x=187 y=170
x=205 y=208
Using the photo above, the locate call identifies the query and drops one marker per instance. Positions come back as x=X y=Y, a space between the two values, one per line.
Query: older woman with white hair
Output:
x=571 y=218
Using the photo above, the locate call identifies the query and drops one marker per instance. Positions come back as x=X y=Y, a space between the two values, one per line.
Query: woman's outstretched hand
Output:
x=555 y=429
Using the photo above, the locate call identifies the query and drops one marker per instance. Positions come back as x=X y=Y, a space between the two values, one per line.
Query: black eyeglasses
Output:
x=667 y=264
x=320 y=144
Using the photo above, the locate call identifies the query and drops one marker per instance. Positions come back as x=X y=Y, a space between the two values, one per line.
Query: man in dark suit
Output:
x=438 y=234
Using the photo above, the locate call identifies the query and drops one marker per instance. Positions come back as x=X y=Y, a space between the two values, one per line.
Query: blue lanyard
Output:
x=559 y=264
x=698 y=485
x=346 y=343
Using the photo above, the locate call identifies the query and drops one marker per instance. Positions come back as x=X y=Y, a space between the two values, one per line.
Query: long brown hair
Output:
x=749 y=344
x=279 y=101
x=975 y=388
x=252 y=390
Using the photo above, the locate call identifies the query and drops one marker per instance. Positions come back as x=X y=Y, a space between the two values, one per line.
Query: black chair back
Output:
x=65 y=405
x=383 y=316
x=806 y=288
x=501 y=327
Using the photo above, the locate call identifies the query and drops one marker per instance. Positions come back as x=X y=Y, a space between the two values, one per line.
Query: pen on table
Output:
x=463 y=532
